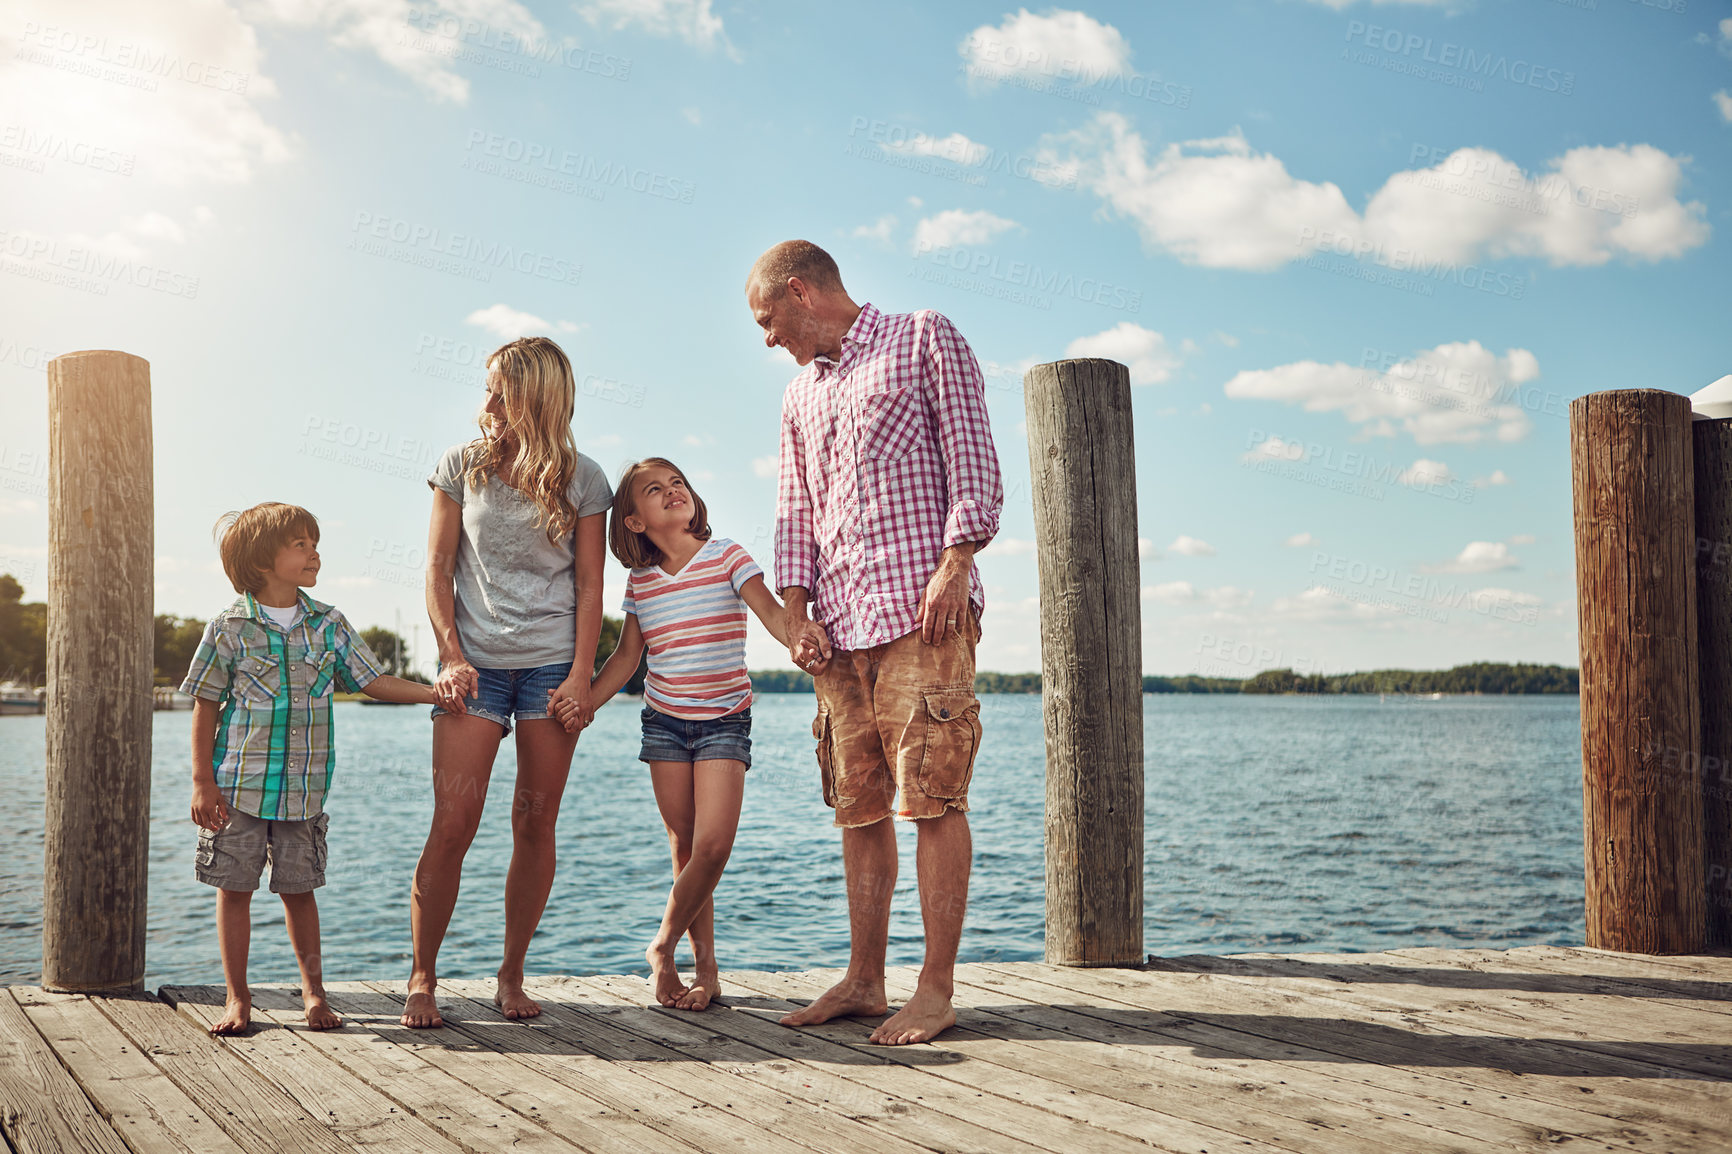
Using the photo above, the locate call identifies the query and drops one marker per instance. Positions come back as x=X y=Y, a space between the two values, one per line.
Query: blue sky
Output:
x=1359 y=257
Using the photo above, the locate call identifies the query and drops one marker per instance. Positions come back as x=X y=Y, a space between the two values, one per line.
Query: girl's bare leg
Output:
x=717 y=788
x=544 y=752
x=234 y=939
x=672 y=781
x=463 y=750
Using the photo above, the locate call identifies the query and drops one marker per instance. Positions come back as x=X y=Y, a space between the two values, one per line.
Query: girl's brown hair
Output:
x=249 y=540
x=636 y=550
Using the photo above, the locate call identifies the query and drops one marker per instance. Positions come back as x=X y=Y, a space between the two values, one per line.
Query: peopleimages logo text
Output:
x=1023 y=275
x=464 y=247
x=1448 y=54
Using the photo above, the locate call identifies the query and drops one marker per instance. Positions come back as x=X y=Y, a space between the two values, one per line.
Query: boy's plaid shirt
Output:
x=273 y=756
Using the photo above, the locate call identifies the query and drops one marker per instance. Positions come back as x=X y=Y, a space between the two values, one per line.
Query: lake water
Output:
x=1279 y=823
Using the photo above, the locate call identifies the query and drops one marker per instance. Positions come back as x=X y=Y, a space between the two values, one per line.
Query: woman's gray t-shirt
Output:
x=516 y=590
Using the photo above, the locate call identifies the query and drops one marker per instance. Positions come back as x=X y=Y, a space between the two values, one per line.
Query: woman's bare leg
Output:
x=544 y=752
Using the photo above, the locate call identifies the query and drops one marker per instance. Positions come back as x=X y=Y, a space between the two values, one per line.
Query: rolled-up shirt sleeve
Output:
x=971 y=472
x=796 y=539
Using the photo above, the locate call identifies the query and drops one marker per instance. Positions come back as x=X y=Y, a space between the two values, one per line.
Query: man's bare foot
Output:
x=513 y=1002
x=421 y=1012
x=705 y=988
x=844 y=999
x=926 y=1016
x=320 y=1016
x=664 y=976
x=237 y=1016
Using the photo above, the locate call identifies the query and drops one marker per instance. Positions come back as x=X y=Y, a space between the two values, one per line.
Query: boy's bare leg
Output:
x=942 y=863
x=717 y=789
x=234 y=938
x=544 y=751
x=463 y=752
x=869 y=862
x=301 y=913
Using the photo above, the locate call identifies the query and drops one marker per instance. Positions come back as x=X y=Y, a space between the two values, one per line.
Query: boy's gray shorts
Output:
x=234 y=857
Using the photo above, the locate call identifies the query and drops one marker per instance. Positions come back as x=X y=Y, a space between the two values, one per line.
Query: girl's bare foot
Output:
x=664 y=976
x=421 y=1012
x=320 y=1016
x=237 y=1016
x=513 y=1002
x=705 y=989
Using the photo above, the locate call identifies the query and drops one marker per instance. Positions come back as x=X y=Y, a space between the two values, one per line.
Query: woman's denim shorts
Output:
x=508 y=693
x=676 y=739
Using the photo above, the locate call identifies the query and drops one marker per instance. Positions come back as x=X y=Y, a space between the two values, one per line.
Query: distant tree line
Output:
x=1480 y=677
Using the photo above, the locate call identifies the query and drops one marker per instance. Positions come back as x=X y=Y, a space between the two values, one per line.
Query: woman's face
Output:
x=494 y=406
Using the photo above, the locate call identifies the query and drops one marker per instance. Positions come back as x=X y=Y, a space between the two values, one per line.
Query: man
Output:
x=888 y=486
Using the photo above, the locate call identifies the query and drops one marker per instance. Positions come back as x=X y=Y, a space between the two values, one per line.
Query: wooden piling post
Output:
x=100 y=639
x=1713 y=487
x=1082 y=461
x=1631 y=459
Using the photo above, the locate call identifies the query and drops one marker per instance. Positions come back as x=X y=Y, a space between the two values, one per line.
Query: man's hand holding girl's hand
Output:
x=209 y=810
x=810 y=648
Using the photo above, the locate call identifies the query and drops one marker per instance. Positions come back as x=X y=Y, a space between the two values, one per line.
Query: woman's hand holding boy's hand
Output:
x=457 y=680
x=209 y=810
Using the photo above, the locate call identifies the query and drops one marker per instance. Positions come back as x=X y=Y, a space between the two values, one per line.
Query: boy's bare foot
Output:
x=926 y=1016
x=237 y=1017
x=513 y=1002
x=846 y=998
x=421 y=1012
x=320 y=1016
x=664 y=976
x=704 y=989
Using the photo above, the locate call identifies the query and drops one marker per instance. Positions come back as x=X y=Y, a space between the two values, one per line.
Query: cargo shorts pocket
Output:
x=952 y=741
x=321 y=852
x=822 y=731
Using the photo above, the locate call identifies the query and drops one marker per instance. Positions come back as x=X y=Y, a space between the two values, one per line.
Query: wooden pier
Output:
x=1414 y=1050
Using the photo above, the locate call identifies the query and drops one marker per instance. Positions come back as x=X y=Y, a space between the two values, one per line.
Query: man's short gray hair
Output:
x=793 y=258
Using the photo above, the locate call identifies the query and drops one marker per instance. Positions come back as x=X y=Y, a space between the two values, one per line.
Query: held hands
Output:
x=808 y=645
x=457 y=680
x=209 y=810
x=571 y=704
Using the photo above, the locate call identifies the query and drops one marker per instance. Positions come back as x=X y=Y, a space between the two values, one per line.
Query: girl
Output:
x=686 y=598
x=514 y=573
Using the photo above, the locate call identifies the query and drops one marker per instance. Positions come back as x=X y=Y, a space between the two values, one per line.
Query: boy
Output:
x=261 y=741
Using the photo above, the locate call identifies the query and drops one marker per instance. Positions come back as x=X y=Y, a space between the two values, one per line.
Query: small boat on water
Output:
x=18 y=698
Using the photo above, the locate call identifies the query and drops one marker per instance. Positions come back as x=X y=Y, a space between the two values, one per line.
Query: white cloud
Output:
x=1522 y=539
x=1300 y=541
x=689 y=20
x=766 y=466
x=1425 y=474
x=1143 y=351
x=878 y=230
x=1184 y=593
x=694 y=116
x=1227 y=339
x=1477 y=557
x=1146 y=550
x=1338 y=5
x=1220 y=204
x=1459 y=392
x=1723 y=101
x=1498 y=477
x=507 y=323
x=1171 y=592
x=1058 y=43
x=1012 y=547
x=956 y=148
x=956 y=226
x=1191 y=547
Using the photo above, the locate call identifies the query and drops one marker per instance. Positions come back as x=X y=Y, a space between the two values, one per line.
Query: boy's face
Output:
x=297 y=563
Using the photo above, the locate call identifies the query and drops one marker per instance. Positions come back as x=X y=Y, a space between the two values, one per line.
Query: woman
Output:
x=514 y=578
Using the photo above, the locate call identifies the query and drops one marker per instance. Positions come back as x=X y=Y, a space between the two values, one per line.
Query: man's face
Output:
x=788 y=321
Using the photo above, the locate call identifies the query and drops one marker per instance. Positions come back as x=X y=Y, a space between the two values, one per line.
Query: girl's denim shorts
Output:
x=508 y=693
x=676 y=739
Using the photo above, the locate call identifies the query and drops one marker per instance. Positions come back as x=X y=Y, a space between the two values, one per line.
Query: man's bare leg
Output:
x=942 y=862
x=869 y=861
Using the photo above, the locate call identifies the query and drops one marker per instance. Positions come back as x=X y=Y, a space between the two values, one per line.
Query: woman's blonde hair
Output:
x=539 y=393
x=636 y=550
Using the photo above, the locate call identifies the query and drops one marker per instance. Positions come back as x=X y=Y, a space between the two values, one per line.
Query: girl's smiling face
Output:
x=662 y=501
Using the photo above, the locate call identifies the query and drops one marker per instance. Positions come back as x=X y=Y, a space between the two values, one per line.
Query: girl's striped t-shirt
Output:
x=694 y=625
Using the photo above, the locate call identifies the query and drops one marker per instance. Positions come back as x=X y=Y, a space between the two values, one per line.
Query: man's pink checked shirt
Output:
x=886 y=461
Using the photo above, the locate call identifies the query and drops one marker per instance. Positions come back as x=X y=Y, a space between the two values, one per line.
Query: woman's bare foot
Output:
x=320 y=1016
x=846 y=998
x=664 y=976
x=421 y=1012
x=237 y=1016
x=513 y=1002
x=705 y=988
x=926 y=1016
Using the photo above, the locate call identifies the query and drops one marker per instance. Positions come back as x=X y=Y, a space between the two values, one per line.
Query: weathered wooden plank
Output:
x=358 y=1113
x=1712 y=765
x=229 y=1091
x=1553 y=972
x=144 y=1107
x=579 y=1118
x=471 y=1119
x=42 y=1110
x=1712 y=966
x=1384 y=1030
x=920 y=1108
x=1476 y=1113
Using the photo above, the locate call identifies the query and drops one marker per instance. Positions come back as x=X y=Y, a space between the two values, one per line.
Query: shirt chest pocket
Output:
x=892 y=423
x=311 y=672
x=257 y=680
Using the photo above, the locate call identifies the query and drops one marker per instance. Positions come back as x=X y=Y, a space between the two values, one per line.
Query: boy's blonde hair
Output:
x=249 y=540
x=636 y=550
x=539 y=393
